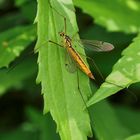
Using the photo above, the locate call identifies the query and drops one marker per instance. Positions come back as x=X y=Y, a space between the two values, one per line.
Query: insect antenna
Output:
x=60 y=15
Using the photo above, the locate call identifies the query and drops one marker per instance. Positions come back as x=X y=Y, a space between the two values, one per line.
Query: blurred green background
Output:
x=21 y=103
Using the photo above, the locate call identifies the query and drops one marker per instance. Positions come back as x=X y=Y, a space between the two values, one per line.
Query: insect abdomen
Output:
x=80 y=62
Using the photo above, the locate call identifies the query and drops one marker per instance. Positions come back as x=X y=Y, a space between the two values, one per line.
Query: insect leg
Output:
x=45 y=42
x=60 y=15
x=55 y=43
x=95 y=65
x=84 y=101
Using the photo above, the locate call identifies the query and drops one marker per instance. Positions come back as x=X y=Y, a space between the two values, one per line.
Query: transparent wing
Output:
x=95 y=45
x=70 y=63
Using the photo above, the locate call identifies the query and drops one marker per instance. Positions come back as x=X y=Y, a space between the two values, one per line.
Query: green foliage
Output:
x=59 y=87
x=20 y=2
x=106 y=124
x=62 y=98
x=129 y=118
x=125 y=72
x=37 y=127
x=113 y=14
x=13 y=42
x=13 y=80
x=43 y=125
x=134 y=137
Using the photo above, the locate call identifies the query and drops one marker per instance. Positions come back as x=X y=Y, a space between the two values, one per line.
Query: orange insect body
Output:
x=80 y=62
x=76 y=57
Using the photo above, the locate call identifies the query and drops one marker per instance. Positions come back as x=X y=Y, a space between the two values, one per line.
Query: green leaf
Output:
x=59 y=87
x=18 y=134
x=36 y=127
x=43 y=124
x=125 y=72
x=15 y=78
x=134 y=137
x=13 y=42
x=20 y=2
x=129 y=118
x=112 y=14
x=26 y=11
x=8 y=21
x=106 y=60
x=106 y=124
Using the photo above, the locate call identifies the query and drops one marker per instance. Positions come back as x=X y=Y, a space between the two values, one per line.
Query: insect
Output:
x=74 y=58
x=94 y=45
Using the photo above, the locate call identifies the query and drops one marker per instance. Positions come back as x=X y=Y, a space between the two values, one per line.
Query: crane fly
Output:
x=94 y=45
x=73 y=55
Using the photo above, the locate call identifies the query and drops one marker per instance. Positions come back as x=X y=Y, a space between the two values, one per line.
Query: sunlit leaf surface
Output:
x=13 y=42
x=133 y=137
x=113 y=14
x=60 y=87
x=125 y=72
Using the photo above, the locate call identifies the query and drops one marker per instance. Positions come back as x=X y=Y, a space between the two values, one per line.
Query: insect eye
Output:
x=62 y=34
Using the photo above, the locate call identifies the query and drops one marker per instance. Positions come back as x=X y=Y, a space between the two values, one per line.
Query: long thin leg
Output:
x=56 y=10
x=45 y=42
x=22 y=58
x=61 y=16
x=95 y=65
x=33 y=52
x=80 y=90
x=65 y=30
x=55 y=43
x=84 y=100
x=129 y=91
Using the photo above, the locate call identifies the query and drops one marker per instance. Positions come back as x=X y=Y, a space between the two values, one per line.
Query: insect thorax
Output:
x=68 y=41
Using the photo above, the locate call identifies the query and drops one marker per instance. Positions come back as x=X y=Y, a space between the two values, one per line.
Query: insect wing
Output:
x=95 y=45
x=70 y=63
